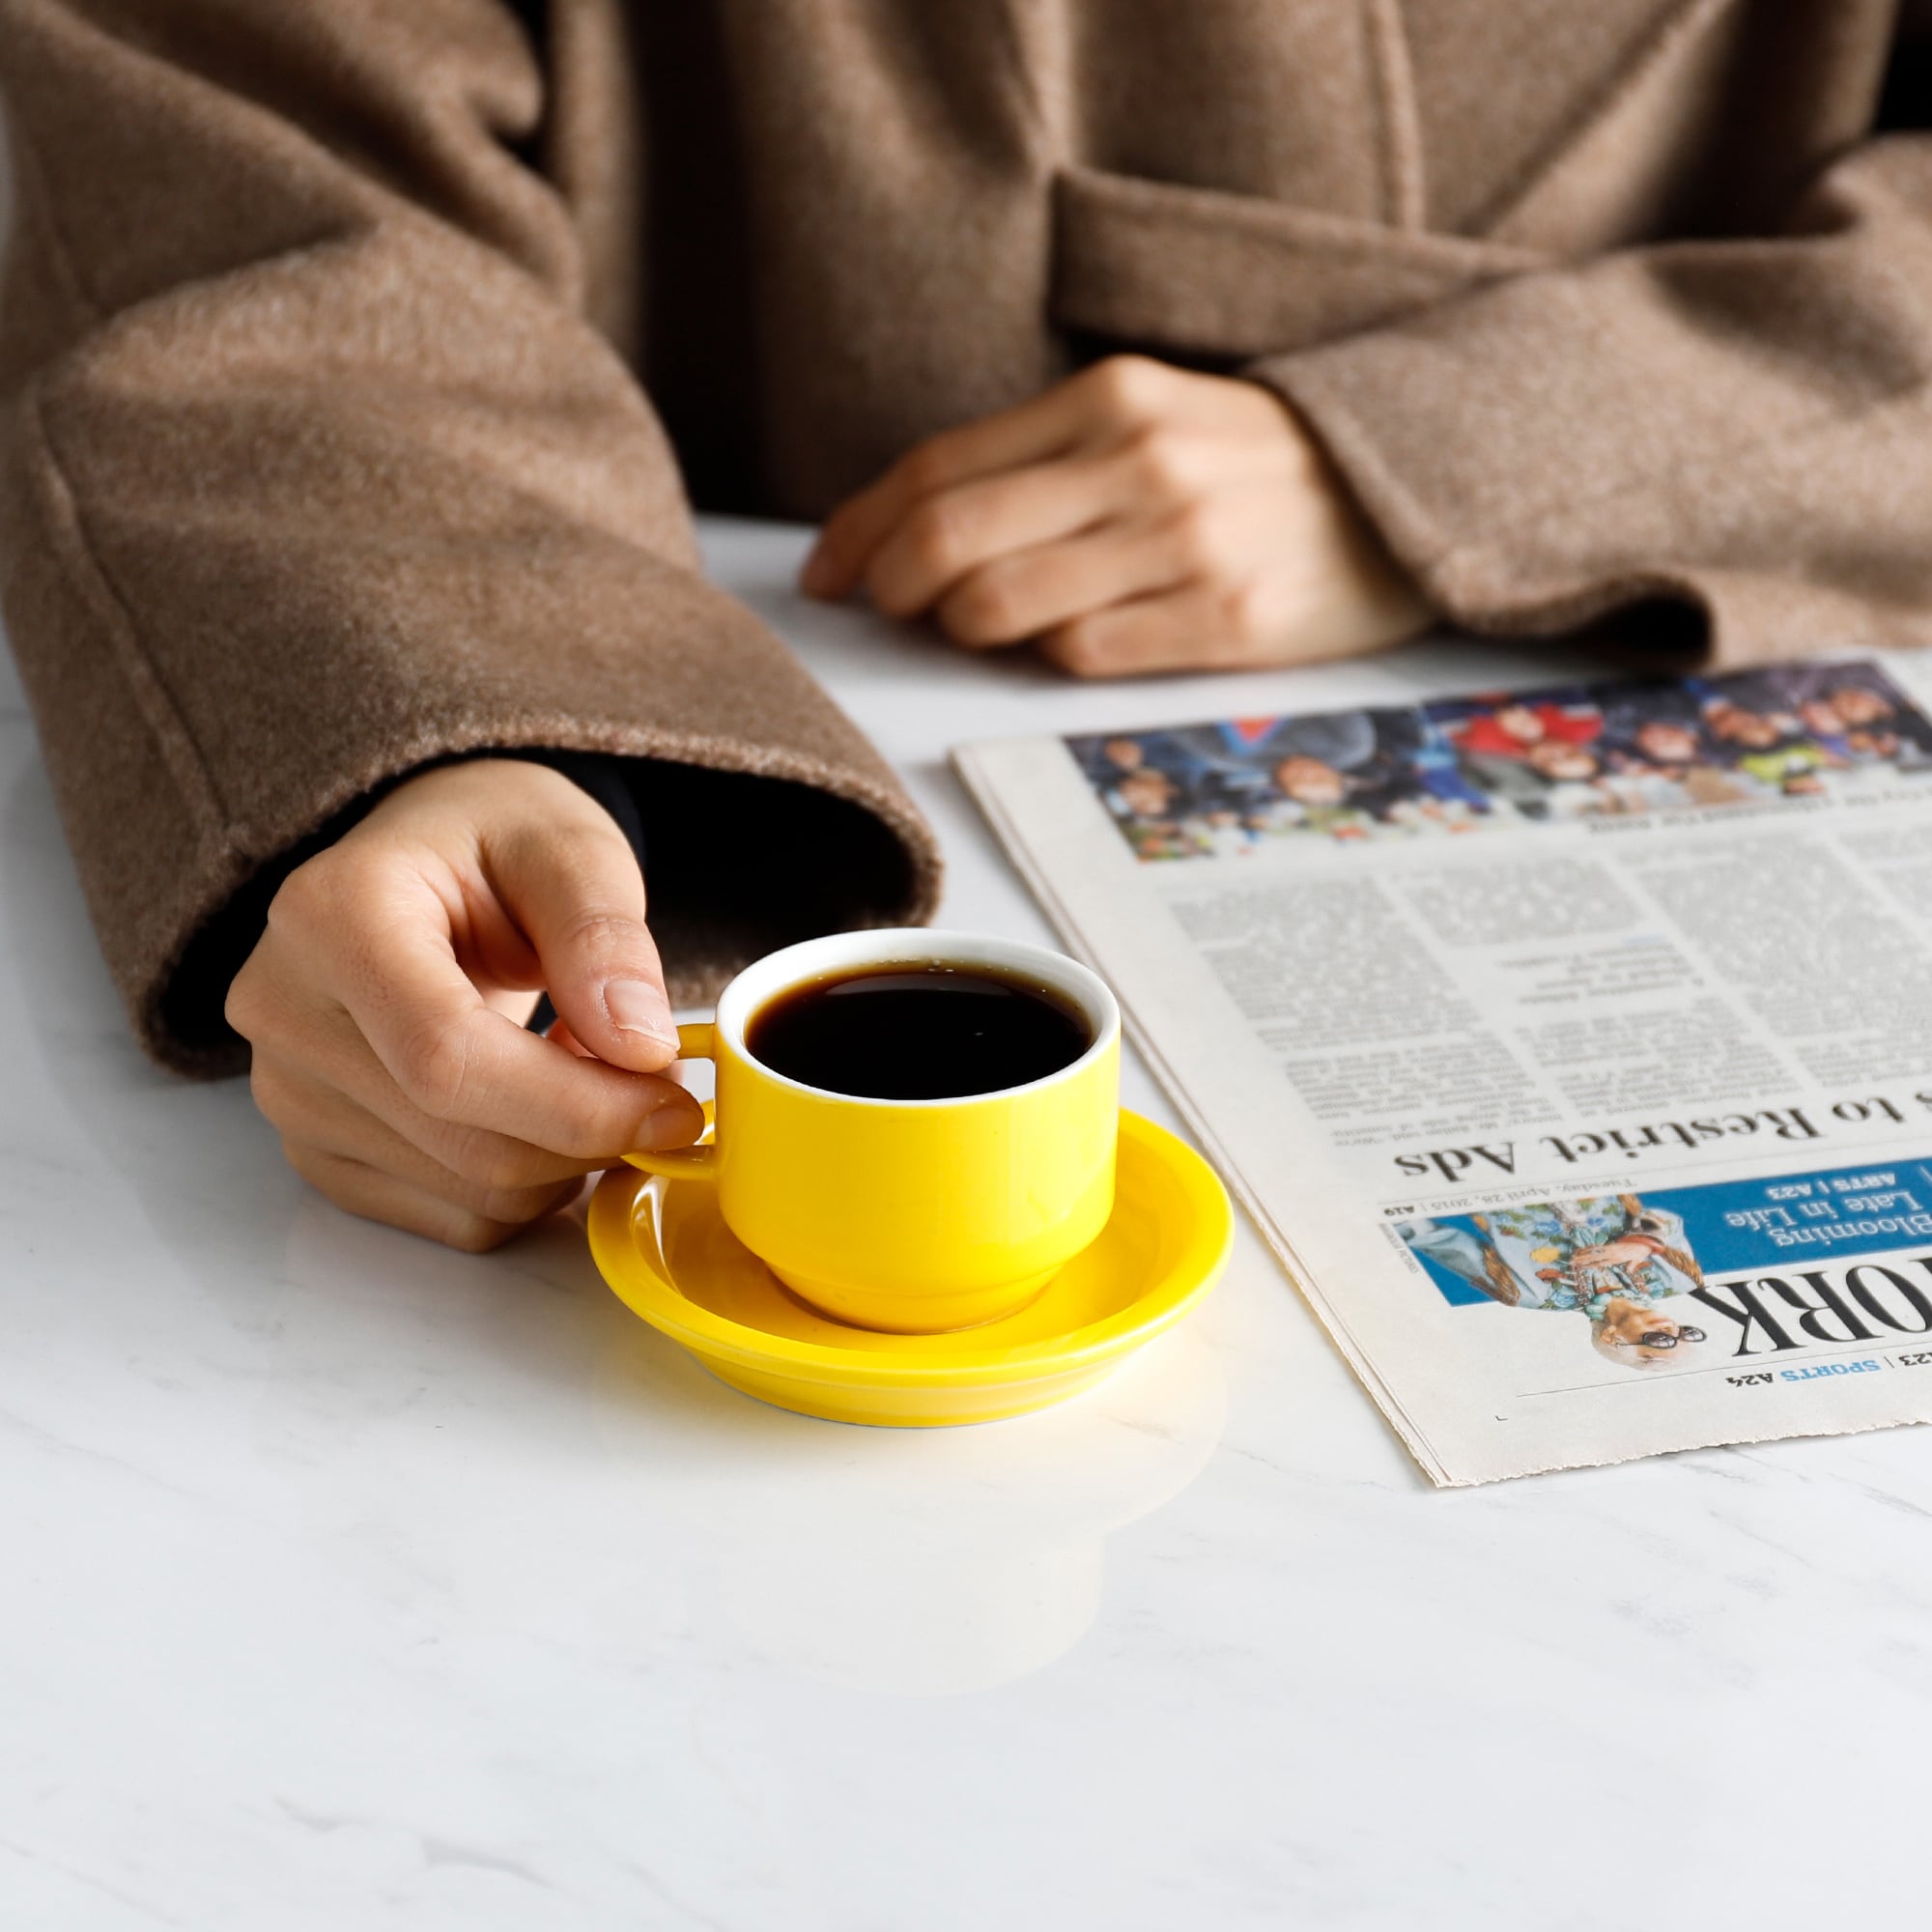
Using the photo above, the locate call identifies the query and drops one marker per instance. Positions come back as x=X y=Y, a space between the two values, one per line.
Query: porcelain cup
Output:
x=913 y=1216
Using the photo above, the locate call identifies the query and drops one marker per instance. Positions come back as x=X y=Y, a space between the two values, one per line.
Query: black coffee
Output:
x=918 y=1032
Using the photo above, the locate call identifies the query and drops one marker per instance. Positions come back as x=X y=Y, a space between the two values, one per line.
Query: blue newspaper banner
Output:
x=1793 y=1221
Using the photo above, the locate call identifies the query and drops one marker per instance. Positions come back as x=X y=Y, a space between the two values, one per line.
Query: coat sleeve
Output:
x=1739 y=427
x=313 y=470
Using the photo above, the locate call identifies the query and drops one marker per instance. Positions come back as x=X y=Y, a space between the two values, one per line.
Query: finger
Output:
x=320 y=1047
x=495 y=1180
x=466 y=1066
x=563 y=1037
x=574 y=891
x=944 y=538
x=1020 y=596
x=1196 y=627
x=382 y=1197
x=359 y=966
x=516 y=1002
x=1047 y=426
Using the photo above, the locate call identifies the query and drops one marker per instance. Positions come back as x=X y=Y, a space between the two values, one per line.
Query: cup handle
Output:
x=692 y=1163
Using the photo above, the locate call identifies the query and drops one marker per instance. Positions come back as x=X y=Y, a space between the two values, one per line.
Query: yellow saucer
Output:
x=662 y=1246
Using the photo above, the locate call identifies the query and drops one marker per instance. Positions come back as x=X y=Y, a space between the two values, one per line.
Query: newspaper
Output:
x=1572 y=1047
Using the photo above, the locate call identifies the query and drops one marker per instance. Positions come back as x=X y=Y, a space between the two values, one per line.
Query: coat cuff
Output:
x=1674 y=432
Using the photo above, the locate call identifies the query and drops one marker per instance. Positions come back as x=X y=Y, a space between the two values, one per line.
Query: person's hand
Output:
x=385 y=1003
x=1134 y=518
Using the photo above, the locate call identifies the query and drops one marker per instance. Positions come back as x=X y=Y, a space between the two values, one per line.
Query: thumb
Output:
x=573 y=886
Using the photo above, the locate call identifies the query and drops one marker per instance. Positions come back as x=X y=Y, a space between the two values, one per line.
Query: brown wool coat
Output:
x=326 y=450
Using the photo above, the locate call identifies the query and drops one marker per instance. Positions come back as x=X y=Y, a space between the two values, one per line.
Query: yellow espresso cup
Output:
x=914 y=1216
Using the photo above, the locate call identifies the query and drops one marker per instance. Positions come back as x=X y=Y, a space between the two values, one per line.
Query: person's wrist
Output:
x=490 y=786
x=602 y=776
x=1391 y=603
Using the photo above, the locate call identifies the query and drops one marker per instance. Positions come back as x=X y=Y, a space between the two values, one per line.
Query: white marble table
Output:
x=350 y=1585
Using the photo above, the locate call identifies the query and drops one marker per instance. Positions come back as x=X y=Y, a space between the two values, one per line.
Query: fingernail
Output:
x=636 y=1006
x=674 y=1124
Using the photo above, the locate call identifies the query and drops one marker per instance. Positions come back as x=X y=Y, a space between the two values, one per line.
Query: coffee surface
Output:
x=916 y=1033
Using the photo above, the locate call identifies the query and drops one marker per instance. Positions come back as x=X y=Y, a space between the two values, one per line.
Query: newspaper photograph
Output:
x=1571 y=1047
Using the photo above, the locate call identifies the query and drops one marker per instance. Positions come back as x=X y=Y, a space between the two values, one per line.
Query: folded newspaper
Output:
x=1572 y=1047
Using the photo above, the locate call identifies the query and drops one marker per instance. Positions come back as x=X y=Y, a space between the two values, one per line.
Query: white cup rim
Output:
x=917 y=944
